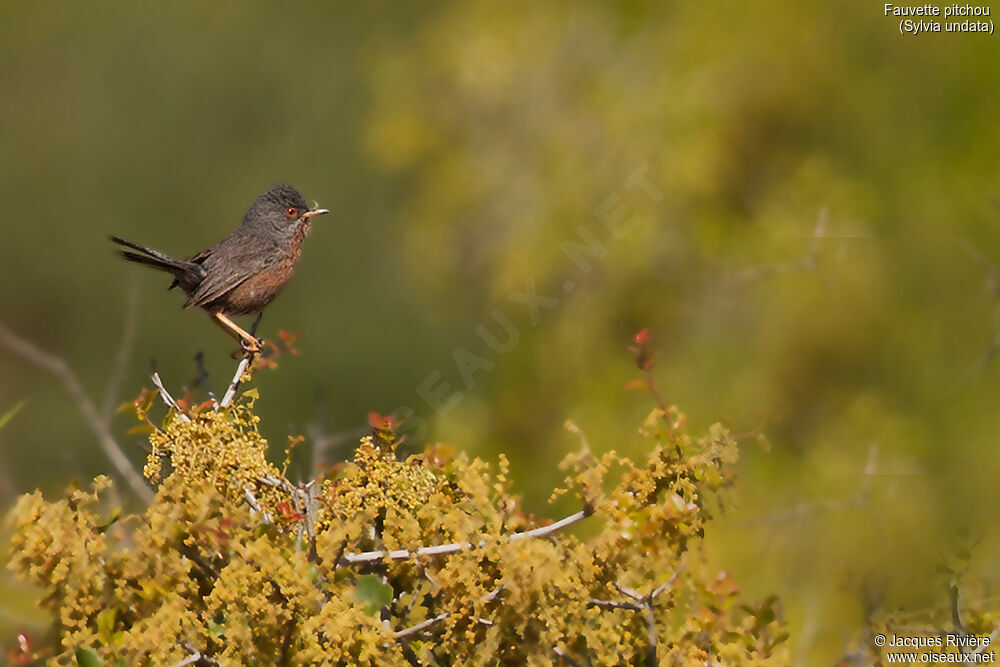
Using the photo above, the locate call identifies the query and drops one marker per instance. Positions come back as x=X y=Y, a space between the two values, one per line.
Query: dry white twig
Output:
x=235 y=383
x=613 y=604
x=423 y=625
x=254 y=505
x=444 y=549
x=190 y=660
x=167 y=398
x=666 y=584
x=982 y=648
x=564 y=655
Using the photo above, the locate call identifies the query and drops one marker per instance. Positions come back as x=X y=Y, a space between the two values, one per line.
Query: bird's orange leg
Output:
x=250 y=343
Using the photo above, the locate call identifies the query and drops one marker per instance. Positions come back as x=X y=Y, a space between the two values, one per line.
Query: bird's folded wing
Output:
x=213 y=287
x=243 y=258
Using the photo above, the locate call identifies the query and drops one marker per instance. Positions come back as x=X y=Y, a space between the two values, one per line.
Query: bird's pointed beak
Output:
x=314 y=212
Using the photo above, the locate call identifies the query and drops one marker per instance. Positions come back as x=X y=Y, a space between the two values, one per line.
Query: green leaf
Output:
x=106 y=624
x=372 y=592
x=112 y=519
x=87 y=658
x=10 y=413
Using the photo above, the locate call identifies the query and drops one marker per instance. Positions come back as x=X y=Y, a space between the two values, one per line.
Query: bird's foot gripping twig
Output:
x=251 y=344
x=252 y=347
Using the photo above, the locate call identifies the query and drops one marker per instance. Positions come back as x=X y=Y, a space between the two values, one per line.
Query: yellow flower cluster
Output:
x=429 y=559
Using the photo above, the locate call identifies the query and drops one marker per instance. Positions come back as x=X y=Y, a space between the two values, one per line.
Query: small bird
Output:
x=243 y=272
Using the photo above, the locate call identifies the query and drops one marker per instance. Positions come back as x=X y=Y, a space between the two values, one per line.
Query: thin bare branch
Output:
x=492 y=595
x=982 y=648
x=614 y=604
x=650 y=618
x=309 y=493
x=254 y=505
x=101 y=430
x=629 y=592
x=423 y=625
x=642 y=604
x=445 y=549
x=204 y=658
x=129 y=326
x=324 y=444
x=805 y=263
x=666 y=584
x=564 y=655
x=419 y=627
x=190 y=660
x=234 y=384
x=167 y=398
x=552 y=527
x=277 y=482
x=956 y=617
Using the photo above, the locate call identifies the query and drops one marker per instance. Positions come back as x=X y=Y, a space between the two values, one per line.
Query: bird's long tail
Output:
x=153 y=258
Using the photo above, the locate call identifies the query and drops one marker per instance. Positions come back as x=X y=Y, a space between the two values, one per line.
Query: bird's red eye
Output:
x=292 y=212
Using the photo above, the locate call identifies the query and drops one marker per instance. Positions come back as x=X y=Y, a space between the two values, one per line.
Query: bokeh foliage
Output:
x=461 y=145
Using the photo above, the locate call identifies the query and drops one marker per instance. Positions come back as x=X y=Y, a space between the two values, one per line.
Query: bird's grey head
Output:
x=279 y=210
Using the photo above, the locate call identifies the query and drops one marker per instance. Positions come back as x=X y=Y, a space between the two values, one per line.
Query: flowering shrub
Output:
x=424 y=560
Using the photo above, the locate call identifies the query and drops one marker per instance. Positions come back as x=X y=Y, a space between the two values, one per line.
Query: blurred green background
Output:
x=806 y=208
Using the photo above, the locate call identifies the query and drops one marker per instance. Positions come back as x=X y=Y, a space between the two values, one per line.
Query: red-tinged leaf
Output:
x=223 y=533
x=268 y=356
x=288 y=339
x=295 y=440
x=378 y=422
x=143 y=402
x=643 y=337
x=185 y=402
x=287 y=512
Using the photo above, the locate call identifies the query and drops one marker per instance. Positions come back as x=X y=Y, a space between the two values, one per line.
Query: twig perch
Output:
x=235 y=382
